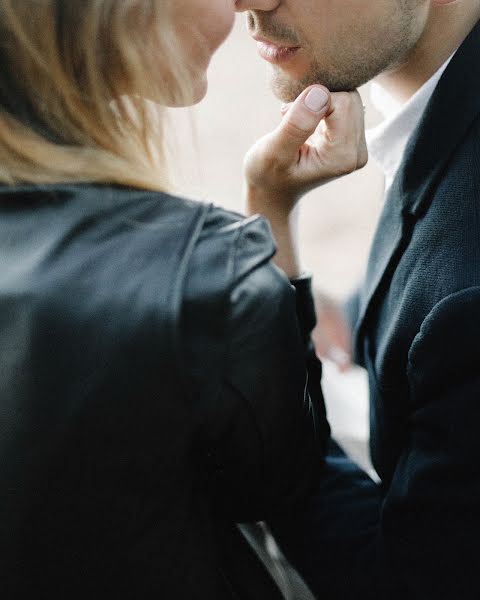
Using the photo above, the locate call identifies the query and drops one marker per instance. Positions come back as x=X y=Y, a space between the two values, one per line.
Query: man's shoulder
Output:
x=447 y=342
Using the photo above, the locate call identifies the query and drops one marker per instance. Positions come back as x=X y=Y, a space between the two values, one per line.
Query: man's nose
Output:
x=263 y=5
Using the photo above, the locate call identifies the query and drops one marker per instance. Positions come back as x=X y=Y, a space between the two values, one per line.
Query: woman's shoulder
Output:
x=232 y=246
x=248 y=236
x=101 y=203
x=127 y=235
x=214 y=234
x=220 y=243
x=231 y=277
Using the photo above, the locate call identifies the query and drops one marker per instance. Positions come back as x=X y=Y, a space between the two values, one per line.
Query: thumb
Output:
x=301 y=121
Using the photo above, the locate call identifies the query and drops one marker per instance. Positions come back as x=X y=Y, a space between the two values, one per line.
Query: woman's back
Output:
x=127 y=408
x=94 y=430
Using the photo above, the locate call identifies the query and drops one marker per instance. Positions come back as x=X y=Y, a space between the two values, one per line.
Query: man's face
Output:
x=338 y=43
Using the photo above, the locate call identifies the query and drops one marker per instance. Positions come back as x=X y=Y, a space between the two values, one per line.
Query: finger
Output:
x=300 y=122
x=285 y=108
x=345 y=117
x=344 y=128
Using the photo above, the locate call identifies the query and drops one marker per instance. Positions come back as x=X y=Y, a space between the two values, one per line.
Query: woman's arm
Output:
x=269 y=425
x=321 y=137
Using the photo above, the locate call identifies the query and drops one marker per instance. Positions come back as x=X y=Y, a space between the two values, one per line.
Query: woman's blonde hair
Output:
x=74 y=75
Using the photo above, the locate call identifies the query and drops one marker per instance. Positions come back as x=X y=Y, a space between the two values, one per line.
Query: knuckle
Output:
x=296 y=130
x=345 y=101
x=351 y=166
x=261 y=165
x=362 y=158
x=350 y=162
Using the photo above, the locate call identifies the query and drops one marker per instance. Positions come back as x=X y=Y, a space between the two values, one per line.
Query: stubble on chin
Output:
x=286 y=88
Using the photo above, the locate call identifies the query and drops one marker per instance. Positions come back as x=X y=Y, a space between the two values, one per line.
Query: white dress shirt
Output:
x=387 y=141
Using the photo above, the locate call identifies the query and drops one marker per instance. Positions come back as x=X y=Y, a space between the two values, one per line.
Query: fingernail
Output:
x=316 y=99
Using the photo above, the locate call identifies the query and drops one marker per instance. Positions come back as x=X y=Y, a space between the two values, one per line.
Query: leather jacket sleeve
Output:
x=261 y=418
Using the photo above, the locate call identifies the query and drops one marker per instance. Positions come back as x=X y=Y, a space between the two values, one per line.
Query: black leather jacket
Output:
x=153 y=393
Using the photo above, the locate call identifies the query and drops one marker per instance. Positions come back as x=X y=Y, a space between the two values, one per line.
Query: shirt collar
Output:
x=387 y=141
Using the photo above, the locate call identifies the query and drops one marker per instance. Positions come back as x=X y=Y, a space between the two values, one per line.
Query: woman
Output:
x=152 y=365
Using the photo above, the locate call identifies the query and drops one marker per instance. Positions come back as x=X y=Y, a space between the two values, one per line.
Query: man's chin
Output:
x=286 y=88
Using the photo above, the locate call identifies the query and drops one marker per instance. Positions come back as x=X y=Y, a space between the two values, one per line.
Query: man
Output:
x=416 y=319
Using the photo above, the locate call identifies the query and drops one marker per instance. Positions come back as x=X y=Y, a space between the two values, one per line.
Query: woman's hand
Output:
x=321 y=137
x=331 y=337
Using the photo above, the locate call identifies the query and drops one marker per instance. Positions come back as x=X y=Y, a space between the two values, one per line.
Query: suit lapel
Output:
x=450 y=113
x=448 y=117
x=387 y=247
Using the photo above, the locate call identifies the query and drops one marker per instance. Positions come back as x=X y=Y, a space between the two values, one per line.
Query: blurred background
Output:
x=337 y=220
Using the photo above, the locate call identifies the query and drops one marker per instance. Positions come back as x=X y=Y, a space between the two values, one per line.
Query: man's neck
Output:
x=447 y=27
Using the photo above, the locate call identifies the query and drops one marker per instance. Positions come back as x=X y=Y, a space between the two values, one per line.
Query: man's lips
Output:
x=275 y=52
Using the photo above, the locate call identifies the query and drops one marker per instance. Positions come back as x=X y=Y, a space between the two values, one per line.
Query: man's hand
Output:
x=331 y=336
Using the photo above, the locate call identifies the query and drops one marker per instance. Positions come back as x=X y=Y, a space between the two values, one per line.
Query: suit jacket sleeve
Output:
x=431 y=515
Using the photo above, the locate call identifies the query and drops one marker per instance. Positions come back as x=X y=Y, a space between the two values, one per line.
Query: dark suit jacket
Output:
x=417 y=332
